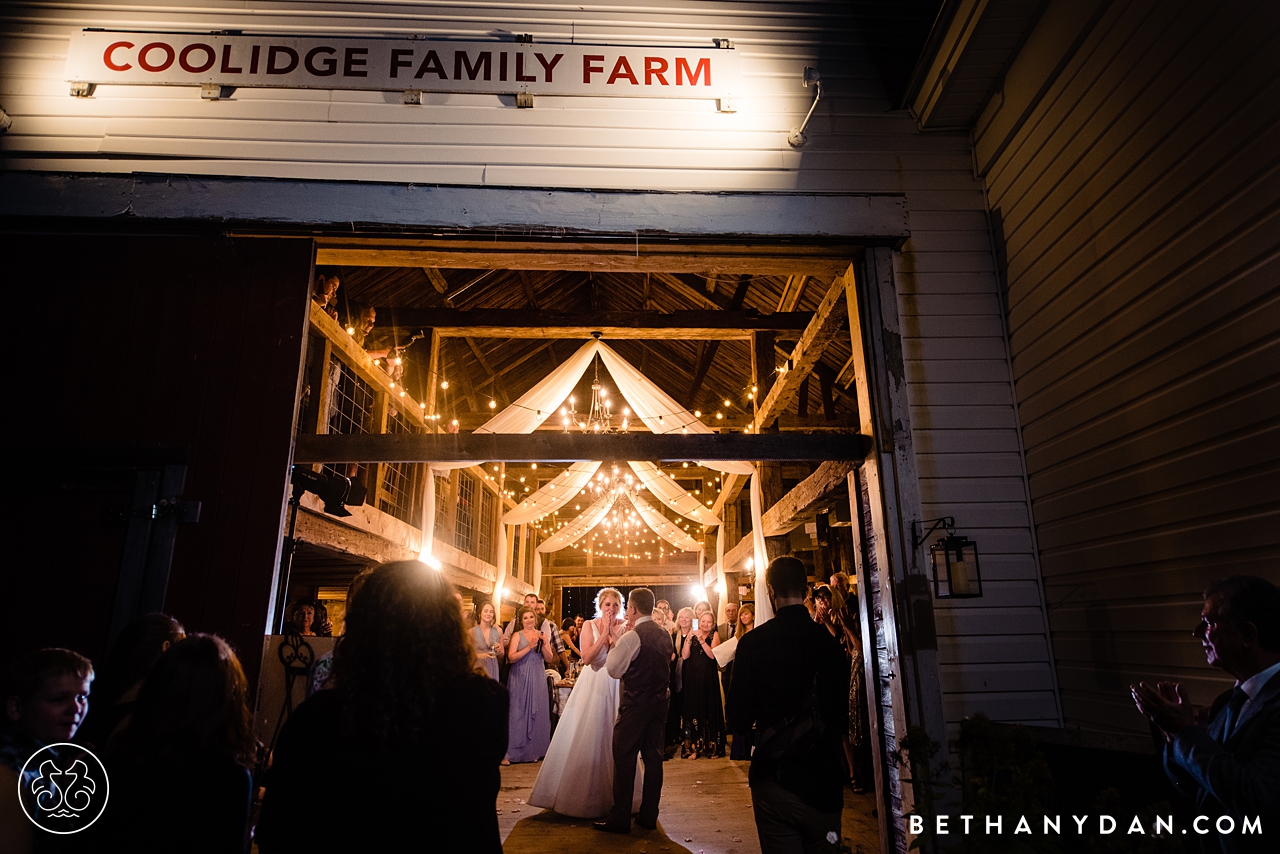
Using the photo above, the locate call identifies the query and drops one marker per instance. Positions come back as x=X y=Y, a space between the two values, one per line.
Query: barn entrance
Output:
x=765 y=346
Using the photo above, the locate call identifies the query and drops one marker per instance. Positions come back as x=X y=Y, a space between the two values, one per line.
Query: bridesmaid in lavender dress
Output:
x=488 y=641
x=529 y=723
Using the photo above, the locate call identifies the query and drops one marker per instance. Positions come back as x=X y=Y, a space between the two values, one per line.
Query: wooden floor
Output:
x=705 y=809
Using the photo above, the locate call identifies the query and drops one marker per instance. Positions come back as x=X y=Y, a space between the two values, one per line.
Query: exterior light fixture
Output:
x=955 y=561
x=796 y=138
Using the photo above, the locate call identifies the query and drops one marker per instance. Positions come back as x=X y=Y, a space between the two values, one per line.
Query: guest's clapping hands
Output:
x=1164 y=705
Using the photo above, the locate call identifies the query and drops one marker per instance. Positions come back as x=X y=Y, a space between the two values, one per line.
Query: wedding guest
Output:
x=1232 y=766
x=137 y=649
x=702 y=711
x=46 y=697
x=781 y=668
x=552 y=632
x=701 y=608
x=179 y=764
x=824 y=613
x=683 y=628
x=325 y=293
x=856 y=739
x=407 y=701
x=322 y=669
x=569 y=634
x=740 y=746
x=529 y=720
x=726 y=630
x=662 y=614
x=303 y=620
x=530 y=602
x=488 y=641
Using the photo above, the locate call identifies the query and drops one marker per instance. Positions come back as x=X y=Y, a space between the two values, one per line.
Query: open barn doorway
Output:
x=425 y=341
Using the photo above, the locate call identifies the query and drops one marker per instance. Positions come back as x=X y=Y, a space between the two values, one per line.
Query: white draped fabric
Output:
x=670 y=493
x=553 y=495
x=577 y=528
x=662 y=526
x=538 y=403
x=656 y=409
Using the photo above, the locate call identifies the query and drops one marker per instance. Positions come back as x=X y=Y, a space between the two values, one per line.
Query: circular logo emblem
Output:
x=63 y=788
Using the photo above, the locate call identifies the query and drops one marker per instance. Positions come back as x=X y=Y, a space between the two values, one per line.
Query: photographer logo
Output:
x=64 y=788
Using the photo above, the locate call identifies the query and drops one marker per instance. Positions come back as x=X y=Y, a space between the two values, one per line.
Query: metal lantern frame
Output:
x=956 y=572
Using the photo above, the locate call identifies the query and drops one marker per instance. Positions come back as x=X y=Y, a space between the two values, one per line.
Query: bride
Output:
x=576 y=778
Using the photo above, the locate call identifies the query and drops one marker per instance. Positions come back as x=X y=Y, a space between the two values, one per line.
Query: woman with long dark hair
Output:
x=136 y=650
x=407 y=742
x=179 y=765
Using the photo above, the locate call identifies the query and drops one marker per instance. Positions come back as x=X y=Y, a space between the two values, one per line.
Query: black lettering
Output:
x=549 y=67
x=328 y=65
x=253 y=58
x=276 y=50
x=184 y=58
x=461 y=61
x=226 y=61
x=397 y=63
x=502 y=65
x=355 y=57
x=521 y=77
x=431 y=62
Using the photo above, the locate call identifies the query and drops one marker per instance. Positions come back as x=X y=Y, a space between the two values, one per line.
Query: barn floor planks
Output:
x=706 y=809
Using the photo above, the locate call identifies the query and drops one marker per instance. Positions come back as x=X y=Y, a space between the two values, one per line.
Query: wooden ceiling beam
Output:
x=733 y=324
x=528 y=289
x=571 y=447
x=791 y=292
x=808 y=350
x=664 y=257
x=710 y=349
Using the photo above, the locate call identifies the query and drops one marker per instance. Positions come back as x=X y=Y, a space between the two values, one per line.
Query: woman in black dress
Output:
x=702 y=710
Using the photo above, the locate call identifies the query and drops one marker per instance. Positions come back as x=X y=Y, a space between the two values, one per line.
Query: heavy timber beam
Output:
x=642 y=257
x=786 y=514
x=733 y=423
x=522 y=323
x=575 y=447
x=808 y=350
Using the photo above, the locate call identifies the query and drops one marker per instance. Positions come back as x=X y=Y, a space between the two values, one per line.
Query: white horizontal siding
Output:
x=962 y=400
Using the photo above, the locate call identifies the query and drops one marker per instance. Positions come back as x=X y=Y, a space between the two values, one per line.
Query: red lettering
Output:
x=355 y=57
x=226 y=61
x=618 y=71
x=549 y=67
x=654 y=66
x=397 y=63
x=483 y=62
x=502 y=65
x=520 y=75
x=253 y=58
x=431 y=62
x=277 y=50
x=184 y=58
x=589 y=67
x=168 y=56
x=682 y=71
x=106 y=56
x=328 y=65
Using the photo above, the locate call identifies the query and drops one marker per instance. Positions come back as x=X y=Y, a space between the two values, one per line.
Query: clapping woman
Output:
x=487 y=639
x=529 y=721
x=703 y=712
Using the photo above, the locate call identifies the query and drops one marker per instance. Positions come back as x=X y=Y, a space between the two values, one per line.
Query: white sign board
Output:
x=402 y=65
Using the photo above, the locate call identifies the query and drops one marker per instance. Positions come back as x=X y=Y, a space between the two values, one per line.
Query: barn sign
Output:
x=170 y=59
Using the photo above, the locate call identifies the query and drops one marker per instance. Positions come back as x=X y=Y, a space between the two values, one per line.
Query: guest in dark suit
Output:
x=790 y=679
x=1232 y=766
x=640 y=659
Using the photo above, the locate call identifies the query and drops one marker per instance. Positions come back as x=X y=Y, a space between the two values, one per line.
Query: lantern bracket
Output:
x=947 y=522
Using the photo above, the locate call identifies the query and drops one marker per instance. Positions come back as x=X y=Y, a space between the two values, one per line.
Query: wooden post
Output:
x=375 y=471
x=433 y=377
x=900 y=586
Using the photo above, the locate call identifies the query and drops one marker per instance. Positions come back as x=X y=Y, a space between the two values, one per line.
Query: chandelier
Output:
x=600 y=417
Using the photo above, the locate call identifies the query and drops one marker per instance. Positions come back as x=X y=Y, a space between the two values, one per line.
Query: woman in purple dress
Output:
x=487 y=639
x=529 y=720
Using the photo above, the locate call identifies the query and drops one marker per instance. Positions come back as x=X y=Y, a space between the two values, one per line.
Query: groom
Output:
x=641 y=659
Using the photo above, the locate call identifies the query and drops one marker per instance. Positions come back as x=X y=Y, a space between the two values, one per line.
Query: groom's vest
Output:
x=646 y=680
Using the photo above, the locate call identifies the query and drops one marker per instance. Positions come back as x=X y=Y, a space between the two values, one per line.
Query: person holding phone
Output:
x=529 y=716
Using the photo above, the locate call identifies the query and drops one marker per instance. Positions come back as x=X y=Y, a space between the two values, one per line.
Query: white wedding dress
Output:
x=576 y=778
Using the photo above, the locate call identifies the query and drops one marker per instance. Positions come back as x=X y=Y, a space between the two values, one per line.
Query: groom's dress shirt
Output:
x=624 y=651
x=1232 y=766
